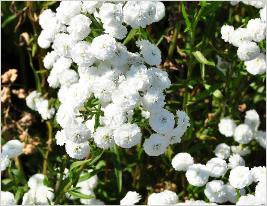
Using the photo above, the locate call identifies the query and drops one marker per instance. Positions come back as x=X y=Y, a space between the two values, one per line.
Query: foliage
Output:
x=189 y=38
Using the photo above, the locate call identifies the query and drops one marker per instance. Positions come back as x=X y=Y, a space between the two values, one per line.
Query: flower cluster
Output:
x=88 y=61
x=245 y=132
x=216 y=169
x=36 y=102
x=246 y=39
x=11 y=149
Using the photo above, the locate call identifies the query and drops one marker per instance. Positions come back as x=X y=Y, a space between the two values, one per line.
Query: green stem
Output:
x=62 y=169
x=36 y=77
x=19 y=165
x=49 y=142
x=61 y=196
x=174 y=41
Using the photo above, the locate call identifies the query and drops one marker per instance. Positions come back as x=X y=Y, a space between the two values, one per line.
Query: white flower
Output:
x=240 y=177
x=182 y=161
x=125 y=97
x=38 y=196
x=12 y=148
x=150 y=52
x=226 y=32
x=43 y=40
x=215 y=191
x=155 y=145
x=257 y=4
x=241 y=150
x=243 y=134
x=217 y=167
x=60 y=138
x=130 y=198
x=67 y=10
x=240 y=36
x=248 y=51
x=42 y=106
x=79 y=27
x=103 y=137
x=227 y=127
x=260 y=192
x=64 y=115
x=183 y=119
x=115 y=30
x=197 y=175
x=175 y=135
x=139 y=13
x=153 y=99
x=162 y=121
x=259 y=174
x=139 y=78
x=231 y=193
x=257 y=29
x=256 y=66
x=160 y=11
x=77 y=150
x=4 y=161
x=104 y=47
x=63 y=44
x=127 y=135
x=81 y=54
x=120 y=58
x=36 y=181
x=260 y=137
x=90 y=6
x=263 y=14
x=32 y=98
x=236 y=160
x=77 y=132
x=247 y=200
x=111 y=13
x=113 y=116
x=222 y=151
x=166 y=197
x=50 y=59
x=45 y=18
x=252 y=119
x=7 y=198
x=159 y=78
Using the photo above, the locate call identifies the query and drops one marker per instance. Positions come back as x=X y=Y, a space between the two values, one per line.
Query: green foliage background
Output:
x=189 y=38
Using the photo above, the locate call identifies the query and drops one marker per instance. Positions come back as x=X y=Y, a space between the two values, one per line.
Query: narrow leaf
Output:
x=202 y=59
x=77 y=194
x=187 y=21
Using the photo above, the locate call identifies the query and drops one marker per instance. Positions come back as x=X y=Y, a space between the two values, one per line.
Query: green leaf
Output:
x=8 y=20
x=118 y=169
x=77 y=194
x=88 y=175
x=78 y=163
x=217 y=93
x=92 y=161
x=19 y=193
x=6 y=181
x=187 y=21
x=34 y=49
x=202 y=59
x=130 y=36
x=43 y=71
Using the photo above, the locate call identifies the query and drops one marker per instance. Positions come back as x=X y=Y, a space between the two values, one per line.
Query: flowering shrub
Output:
x=135 y=107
